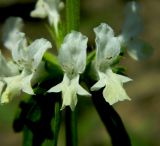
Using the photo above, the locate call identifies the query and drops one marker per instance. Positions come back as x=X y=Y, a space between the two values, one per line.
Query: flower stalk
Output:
x=72 y=19
x=72 y=14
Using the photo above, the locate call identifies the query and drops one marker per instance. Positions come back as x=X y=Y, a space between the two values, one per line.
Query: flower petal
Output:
x=50 y=9
x=19 y=51
x=12 y=26
x=37 y=50
x=13 y=88
x=56 y=88
x=114 y=91
x=69 y=89
x=108 y=46
x=26 y=84
x=101 y=82
x=123 y=79
x=40 y=9
x=81 y=91
x=72 y=54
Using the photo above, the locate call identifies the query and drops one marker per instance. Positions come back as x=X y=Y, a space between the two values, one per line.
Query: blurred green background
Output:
x=141 y=115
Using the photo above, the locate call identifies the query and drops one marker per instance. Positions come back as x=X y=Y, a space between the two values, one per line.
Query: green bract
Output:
x=108 y=49
x=72 y=57
x=50 y=9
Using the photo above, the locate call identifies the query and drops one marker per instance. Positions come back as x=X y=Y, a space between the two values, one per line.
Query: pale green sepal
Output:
x=138 y=49
x=108 y=46
x=113 y=91
x=12 y=26
x=72 y=54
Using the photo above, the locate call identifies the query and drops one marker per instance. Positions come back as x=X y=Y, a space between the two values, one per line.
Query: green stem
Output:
x=72 y=14
x=71 y=127
x=72 y=22
x=57 y=121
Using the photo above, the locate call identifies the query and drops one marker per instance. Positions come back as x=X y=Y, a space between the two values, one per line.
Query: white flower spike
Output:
x=28 y=59
x=72 y=57
x=50 y=9
x=108 y=49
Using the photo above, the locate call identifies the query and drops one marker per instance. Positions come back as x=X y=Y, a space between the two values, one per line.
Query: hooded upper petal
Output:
x=12 y=26
x=108 y=46
x=72 y=54
x=30 y=56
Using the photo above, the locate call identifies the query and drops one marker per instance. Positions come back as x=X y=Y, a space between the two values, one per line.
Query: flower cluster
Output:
x=17 y=74
x=20 y=72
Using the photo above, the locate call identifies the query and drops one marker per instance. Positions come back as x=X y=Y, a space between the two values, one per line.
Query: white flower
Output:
x=50 y=9
x=28 y=59
x=137 y=48
x=113 y=83
x=13 y=86
x=108 y=49
x=72 y=57
x=12 y=26
x=108 y=46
